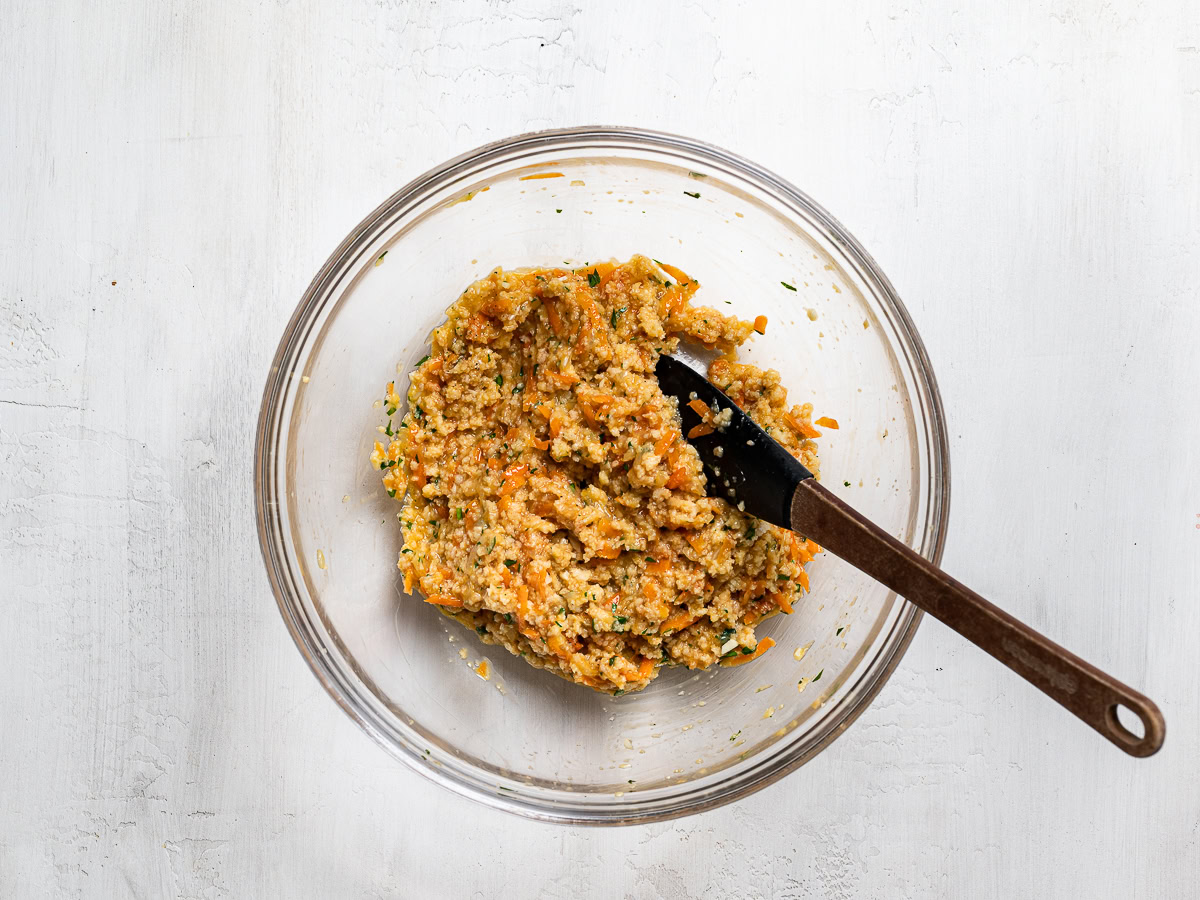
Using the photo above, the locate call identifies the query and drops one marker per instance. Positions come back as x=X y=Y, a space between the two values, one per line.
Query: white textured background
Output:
x=1028 y=174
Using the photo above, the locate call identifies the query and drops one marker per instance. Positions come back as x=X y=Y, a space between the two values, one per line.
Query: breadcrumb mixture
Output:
x=548 y=498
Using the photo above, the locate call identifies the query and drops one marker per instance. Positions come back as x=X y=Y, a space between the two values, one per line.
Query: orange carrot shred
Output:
x=700 y=431
x=678 y=274
x=443 y=600
x=826 y=422
x=760 y=324
x=540 y=444
x=514 y=477
x=645 y=668
x=763 y=646
x=541 y=175
x=700 y=407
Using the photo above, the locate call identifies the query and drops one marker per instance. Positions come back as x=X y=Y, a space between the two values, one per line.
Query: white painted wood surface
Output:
x=171 y=176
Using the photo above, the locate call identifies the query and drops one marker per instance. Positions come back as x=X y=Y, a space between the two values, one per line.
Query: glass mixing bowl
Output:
x=524 y=740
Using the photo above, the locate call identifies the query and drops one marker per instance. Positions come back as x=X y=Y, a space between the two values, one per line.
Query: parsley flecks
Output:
x=458 y=513
x=593 y=278
x=557 y=211
x=510 y=562
x=695 y=194
x=616 y=315
x=518 y=389
x=818 y=677
x=424 y=359
x=388 y=431
x=391 y=411
x=750 y=533
x=845 y=484
x=651 y=559
x=786 y=285
x=499 y=381
x=839 y=631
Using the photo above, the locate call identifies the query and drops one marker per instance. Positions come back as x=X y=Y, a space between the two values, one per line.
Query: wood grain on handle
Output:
x=1079 y=686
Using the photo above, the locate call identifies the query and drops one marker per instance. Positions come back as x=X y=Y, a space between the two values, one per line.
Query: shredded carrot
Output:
x=826 y=422
x=546 y=410
x=645 y=668
x=514 y=477
x=800 y=427
x=650 y=589
x=556 y=323
x=811 y=546
x=659 y=566
x=562 y=380
x=678 y=274
x=677 y=478
x=697 y=541
x=763 y=646
x=760 y=324
x=678 y=622
x=799 y=552
x=802 y=577
x=443 y=600
x=781 y=600
x=700 y=407
x=523 y=611
x=494 y=462
x=607 y=528
x=419 y=475
x=700 y=431
x=555 y=425
x=606 y=272
x=540 y=444
x=507 y=577
x=586 y=408
x=540 y=175
x=539 y=583
x=673 y=301
x=408 y=580
x=611 y=551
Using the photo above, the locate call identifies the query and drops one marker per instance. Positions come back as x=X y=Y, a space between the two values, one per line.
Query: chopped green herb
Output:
x=480 y=629
x=616 y=315
x=406 y=550
x=510 y=562
x=818 y=678
x=458 y=513
x=593 y=278
x=840 y=630
x=651 y=559
x=388 y=431
x=786 y=285
x=391 y=411
x=557 y=211
x=499 y=381
x=845 y=484
x=424 y=359
x=750 y=533
x=746 y=651
x=392 y=493
x=518 y=389
x=733 y=737
x=691 y=194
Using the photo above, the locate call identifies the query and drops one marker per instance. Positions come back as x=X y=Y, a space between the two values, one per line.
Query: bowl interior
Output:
x=524 y=739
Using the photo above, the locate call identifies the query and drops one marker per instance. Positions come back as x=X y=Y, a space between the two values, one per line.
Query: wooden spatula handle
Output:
x=1083 y=689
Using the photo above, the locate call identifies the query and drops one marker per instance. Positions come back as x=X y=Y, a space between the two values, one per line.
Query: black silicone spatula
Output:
x=744 y=464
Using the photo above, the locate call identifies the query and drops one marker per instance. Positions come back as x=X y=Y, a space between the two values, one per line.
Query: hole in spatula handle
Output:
x=1136 y=727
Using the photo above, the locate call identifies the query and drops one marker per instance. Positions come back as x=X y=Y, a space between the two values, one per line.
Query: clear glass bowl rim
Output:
x=271 y=426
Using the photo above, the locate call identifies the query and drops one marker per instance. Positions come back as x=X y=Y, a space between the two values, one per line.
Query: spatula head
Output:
x=743 y=464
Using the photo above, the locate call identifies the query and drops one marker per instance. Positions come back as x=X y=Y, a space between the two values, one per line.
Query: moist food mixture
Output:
x=547 y=497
